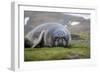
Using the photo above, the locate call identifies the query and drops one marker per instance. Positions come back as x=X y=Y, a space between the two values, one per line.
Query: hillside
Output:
x=37 y=18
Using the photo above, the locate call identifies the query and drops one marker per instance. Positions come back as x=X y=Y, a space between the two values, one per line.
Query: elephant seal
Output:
x=48 y=35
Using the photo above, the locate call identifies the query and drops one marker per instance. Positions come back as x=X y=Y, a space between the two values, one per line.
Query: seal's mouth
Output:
x=60 y=42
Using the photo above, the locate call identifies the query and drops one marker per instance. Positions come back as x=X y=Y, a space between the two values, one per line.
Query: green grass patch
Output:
x=79 y=49
x=56 y=53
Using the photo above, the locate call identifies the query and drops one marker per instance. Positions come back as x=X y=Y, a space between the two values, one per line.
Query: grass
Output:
x=57 y=53
x=79 y=49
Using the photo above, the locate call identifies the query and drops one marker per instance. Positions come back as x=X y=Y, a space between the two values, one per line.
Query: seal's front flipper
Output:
x=38 y=41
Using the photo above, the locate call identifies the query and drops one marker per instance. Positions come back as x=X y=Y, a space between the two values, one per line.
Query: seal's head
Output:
x=60 y=38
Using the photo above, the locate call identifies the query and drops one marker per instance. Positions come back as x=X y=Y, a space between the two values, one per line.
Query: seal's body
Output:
x=48 y=35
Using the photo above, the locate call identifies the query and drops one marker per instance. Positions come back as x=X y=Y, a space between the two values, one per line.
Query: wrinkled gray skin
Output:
x=49 y=35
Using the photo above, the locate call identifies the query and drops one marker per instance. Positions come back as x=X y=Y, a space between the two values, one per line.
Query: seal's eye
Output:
x=59 y=33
